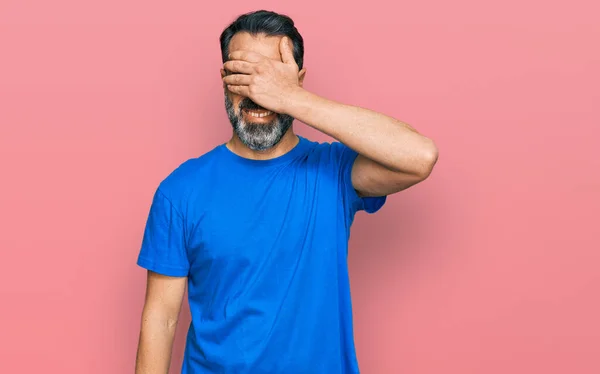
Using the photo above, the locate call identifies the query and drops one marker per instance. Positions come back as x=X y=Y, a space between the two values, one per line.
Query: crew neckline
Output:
x=289 y=155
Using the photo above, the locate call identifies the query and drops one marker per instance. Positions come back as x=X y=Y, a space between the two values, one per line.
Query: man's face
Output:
x=258 y=128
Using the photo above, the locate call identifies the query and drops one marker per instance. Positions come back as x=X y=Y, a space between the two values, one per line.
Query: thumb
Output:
x=286 y=51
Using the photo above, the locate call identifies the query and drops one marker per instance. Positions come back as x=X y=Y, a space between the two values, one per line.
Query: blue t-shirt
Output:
x=264 y=245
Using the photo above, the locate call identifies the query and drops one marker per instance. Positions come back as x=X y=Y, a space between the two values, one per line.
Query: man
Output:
x=258 y=227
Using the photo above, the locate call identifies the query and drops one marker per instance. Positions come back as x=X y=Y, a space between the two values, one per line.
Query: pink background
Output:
x=490 y=266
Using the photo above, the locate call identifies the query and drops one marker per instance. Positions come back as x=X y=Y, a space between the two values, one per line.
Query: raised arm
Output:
x=392 y=156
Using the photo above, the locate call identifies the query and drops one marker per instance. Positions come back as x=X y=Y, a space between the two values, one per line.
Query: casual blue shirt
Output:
x=264 y=245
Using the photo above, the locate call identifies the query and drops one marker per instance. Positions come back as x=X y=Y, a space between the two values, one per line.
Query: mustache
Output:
x=246 y=103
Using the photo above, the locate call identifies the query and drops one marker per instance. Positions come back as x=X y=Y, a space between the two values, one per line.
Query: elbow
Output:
x=160 y=319
x=429 y=158
x=171 y=323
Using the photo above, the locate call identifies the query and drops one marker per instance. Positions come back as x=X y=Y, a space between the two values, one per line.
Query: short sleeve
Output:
x=163 y=247
x=369 y=204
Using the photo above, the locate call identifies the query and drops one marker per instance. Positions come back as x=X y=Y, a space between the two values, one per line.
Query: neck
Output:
x=289 y=141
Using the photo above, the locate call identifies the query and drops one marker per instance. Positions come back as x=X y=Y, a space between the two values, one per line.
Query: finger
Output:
x=240 y=90
x=238 y=79
x=287 y=56
x=246 y=56
x=239 y=66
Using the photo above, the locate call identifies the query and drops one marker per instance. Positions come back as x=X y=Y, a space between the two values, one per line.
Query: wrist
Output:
x=291 y=100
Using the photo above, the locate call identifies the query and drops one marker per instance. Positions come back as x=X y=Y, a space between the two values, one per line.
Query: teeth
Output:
x=258 y=115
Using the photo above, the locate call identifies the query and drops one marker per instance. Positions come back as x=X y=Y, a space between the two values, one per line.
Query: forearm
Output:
x=155 y=344
x=381 y=138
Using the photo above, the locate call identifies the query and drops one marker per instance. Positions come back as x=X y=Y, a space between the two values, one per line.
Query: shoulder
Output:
x=187 y=176
x=332 y=153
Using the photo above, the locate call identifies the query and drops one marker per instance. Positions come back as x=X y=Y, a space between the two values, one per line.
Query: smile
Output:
x=258 y=113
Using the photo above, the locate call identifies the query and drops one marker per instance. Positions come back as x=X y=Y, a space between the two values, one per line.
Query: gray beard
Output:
x=258 y=137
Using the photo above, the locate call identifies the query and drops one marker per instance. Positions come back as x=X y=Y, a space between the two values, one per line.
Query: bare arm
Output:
x=392 y=155
x=164 y=296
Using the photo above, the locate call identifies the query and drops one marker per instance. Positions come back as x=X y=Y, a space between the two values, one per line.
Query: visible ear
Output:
x=301 y=75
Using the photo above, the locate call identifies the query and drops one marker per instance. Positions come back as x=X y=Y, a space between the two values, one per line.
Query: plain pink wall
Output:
x=490 y=266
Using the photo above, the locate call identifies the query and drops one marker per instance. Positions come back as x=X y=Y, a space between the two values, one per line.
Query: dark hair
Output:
x=264 y=22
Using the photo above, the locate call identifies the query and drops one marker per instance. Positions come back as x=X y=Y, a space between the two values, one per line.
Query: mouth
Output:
x=258 y=113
